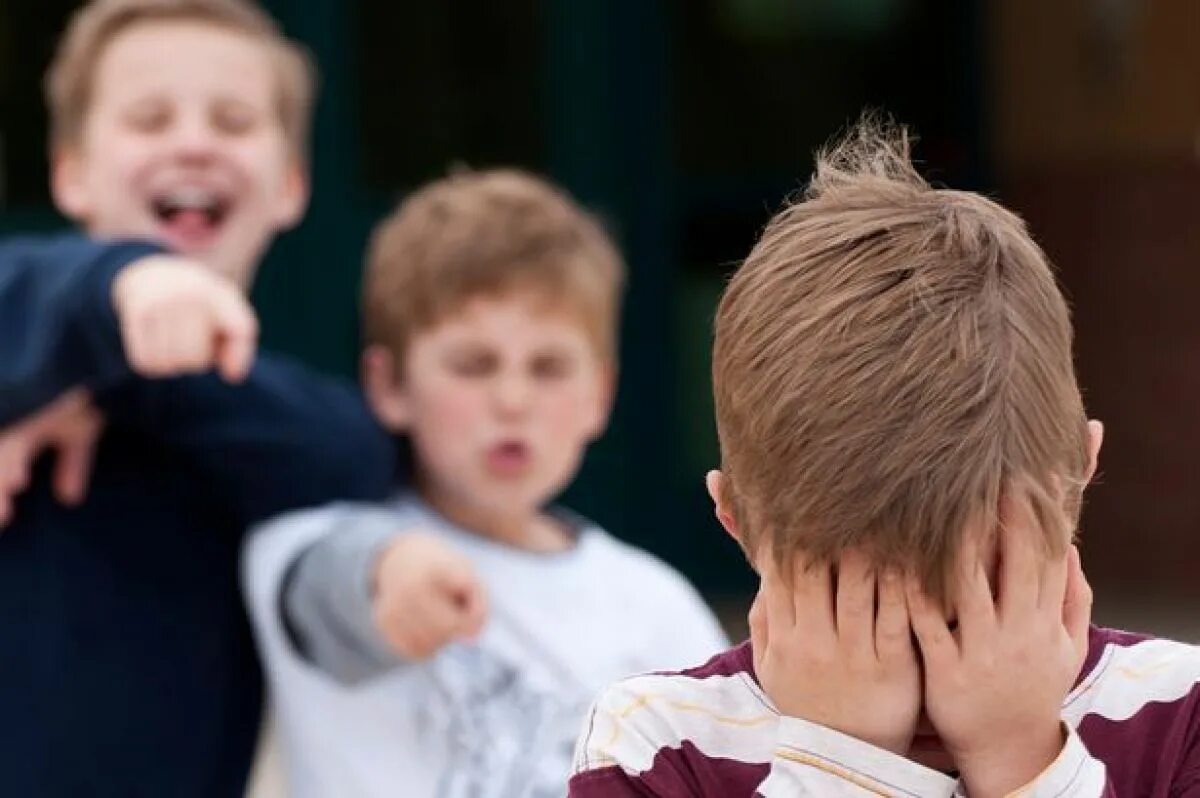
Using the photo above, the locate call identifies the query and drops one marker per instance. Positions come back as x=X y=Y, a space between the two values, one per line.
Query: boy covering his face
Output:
x=904 y=450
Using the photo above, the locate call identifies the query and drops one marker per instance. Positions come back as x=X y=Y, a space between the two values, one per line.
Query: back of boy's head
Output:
x=69 y=79
x=489 y=234
x=889 y=359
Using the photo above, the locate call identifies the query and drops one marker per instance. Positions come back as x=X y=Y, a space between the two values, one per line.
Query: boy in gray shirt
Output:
x=460 y=660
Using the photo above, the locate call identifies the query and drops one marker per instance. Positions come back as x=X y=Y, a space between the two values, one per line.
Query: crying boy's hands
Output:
x=995 y=683
x=426 y=595
x=840 y=657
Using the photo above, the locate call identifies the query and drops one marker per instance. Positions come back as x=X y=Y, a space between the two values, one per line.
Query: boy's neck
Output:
x=530 y=531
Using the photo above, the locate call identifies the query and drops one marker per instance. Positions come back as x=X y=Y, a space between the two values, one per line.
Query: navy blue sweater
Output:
x=126 y=663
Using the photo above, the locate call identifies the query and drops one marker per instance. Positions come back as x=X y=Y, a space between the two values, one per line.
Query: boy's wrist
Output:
x=99 y=322
x=1012 y=763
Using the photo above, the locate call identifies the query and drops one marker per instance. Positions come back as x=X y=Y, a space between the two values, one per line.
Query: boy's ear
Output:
x=67 y=186
x=382 y=386
x=715 y=482
x=293 y=200
x=1095 y=441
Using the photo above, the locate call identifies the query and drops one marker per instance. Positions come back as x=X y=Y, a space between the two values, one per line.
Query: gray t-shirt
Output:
x=497 y=717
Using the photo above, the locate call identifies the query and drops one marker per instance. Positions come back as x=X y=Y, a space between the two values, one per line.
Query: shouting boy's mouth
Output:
x=509 y=458
x=190 y=218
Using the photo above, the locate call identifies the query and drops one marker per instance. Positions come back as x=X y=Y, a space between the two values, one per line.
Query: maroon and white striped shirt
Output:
x=1133 y=720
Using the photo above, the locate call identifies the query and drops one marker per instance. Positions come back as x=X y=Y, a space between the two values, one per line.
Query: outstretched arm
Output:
x=370 y=597
x=283 y=439
x=58 y=328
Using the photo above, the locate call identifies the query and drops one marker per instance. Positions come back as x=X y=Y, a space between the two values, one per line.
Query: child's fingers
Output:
x=16 y=451
x=473 y=604
x=15 y=454
x=67 y=405
x=427 y=624
x=1056 y=572
x=459 y=590
x=775 y=594
x=893 y=631
x=973 y=602
x=136 y=345
x=855 y=600
x=171 y=344
x=156 y=342
x=73 y=469
x=237 y=337
x=15 y=476
x=14 y=471
x=812 y=601
x=191 y=345
x=454 y=576
x=1020 y=563
x=444 y=619
x=938 y=646
x=414 y=641
x=1077 y=603
x=235 y=358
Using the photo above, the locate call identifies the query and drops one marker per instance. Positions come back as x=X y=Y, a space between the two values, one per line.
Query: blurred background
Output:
x=684 y=124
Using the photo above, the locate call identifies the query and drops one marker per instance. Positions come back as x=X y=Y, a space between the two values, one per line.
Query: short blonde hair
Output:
x=68 y=83
x=486 y=234
x=889 y=360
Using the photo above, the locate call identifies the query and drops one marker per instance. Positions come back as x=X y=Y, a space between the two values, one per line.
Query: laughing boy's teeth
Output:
x=192 y=198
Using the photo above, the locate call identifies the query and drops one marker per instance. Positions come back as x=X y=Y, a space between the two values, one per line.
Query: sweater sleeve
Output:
x=284 y=439
x=58 y=329
x=655 y=736
x=814 y=760
x=326 y=601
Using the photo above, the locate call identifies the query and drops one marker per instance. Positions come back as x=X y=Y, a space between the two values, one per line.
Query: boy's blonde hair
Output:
x=889 y=359
x=486 y=234
x=68 y=84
